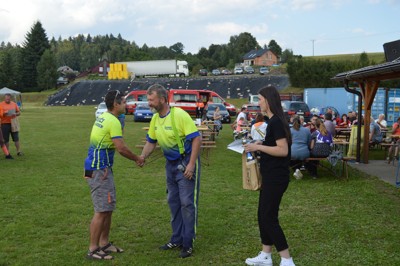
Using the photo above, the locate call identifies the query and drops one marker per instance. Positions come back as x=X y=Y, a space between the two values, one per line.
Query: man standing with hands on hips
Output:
x=105 y=138
x=176 y=133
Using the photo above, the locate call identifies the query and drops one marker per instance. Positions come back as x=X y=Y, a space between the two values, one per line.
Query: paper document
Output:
x=236 y=146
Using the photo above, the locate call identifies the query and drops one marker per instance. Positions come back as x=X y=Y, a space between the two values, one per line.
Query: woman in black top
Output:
x=274 y=167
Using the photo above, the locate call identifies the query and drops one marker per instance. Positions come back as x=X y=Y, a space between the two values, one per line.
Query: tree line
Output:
x=309 y=73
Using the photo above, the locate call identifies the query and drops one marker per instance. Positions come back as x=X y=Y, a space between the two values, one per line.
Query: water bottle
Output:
x=249 y=156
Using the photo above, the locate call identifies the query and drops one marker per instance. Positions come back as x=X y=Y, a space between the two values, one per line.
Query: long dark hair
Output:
x=271 y=94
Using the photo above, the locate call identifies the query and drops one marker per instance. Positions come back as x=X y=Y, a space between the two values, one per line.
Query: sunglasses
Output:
x=116 y=95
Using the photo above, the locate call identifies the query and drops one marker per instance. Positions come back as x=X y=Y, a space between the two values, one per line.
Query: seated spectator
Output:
x=355 y=122
x=375 y=134
x=259 y=128
x=240 y=123
x=394 y=150
x=320 y=145
x=344 y=121
x=329 y=125
x=302 y=123
x=301 y=138
x=381 y=121
x=311 y=125
x=352 y=116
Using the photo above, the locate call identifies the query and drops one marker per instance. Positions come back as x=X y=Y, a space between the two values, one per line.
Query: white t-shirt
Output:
x=255 y=135
x=383 y=122
x=241 y=114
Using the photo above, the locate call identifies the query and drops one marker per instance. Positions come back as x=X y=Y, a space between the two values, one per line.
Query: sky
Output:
x=307 y=27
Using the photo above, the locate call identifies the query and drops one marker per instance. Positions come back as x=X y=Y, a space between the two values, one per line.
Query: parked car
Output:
x=62 y=81
x=203 y=72
x=210 y=109
x=216 y=72
x=134 y=98
x=238 y=70
x=226 y=72
x=251 y=110
x=264 y=70
x=142 y=113
x=101 y=108
x=296 y=108
x=248 y=70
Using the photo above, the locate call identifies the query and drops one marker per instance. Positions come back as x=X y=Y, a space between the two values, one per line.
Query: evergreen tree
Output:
x=47 y=71
x=275 y=48
x=35 y=44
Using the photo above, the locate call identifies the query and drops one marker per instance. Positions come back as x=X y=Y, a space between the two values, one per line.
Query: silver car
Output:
x=101 y=108
x=238 y=70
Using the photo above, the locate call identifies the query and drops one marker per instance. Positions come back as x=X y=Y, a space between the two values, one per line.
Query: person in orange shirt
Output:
x=2 y=143
x=10 y=111
x=199 y=108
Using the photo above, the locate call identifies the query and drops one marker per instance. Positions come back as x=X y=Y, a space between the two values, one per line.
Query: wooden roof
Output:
x=388 y=70
x=368 y=79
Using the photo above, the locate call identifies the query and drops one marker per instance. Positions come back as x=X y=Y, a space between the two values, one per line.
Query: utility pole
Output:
x=312 y=47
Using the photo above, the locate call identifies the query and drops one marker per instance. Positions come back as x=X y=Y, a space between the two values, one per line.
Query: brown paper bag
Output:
x=14 y=125
x=251 y=174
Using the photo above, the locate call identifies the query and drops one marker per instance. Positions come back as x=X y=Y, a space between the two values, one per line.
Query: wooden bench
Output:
x=344 y=171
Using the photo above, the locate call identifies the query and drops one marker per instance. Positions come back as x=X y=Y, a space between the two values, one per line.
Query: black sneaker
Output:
x=169 y=246
x=9 y=156
x=186 y=252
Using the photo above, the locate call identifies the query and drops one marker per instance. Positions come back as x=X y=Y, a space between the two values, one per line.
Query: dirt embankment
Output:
x=92 y=92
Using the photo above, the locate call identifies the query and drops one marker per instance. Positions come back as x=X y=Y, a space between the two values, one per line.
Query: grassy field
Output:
x=46 y=206
x=376 y=57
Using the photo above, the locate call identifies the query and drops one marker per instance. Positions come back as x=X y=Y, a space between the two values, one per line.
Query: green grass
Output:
x=376 y=57
x=46 y=207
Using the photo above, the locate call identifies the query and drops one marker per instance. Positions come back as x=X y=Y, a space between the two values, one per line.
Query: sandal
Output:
x=110 y=248
x=98 y=254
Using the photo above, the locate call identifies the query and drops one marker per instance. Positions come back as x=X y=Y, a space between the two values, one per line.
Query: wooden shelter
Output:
x=368 y=79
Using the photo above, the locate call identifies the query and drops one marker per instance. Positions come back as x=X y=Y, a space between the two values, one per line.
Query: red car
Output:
x=251 y=110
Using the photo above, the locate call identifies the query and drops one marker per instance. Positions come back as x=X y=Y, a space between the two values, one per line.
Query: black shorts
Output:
x=6 y=130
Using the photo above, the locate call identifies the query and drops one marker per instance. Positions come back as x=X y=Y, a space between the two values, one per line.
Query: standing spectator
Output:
x=217 y=119
x=9 y=122
x=182 y=166
x=329 y=125
x=320 y=146
x=259 y=128
x=381 y=121
x=2 y=144
x=301 y=138
x=199 y=108
x=274 y=168
x=105 y=138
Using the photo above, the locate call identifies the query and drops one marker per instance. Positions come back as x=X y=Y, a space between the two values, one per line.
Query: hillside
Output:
x=376 y=57
x=91 y=92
